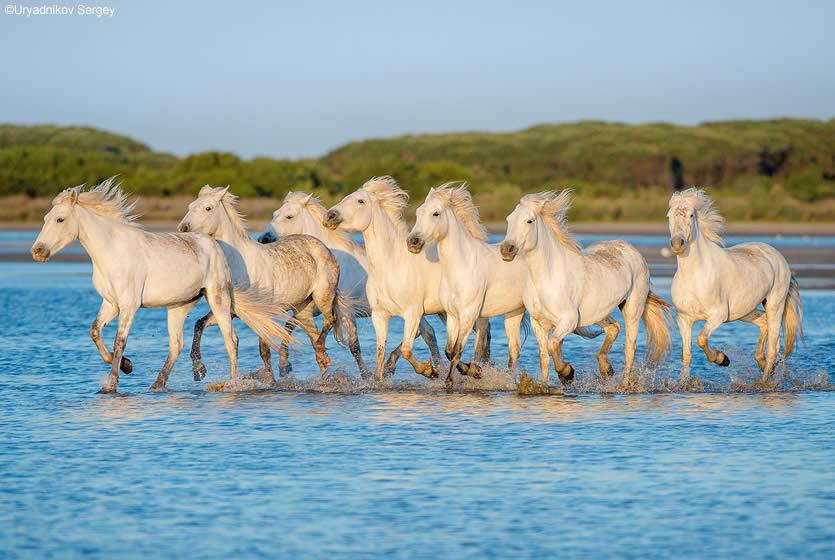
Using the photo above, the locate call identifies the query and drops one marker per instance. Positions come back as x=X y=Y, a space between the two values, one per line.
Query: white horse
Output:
x=298 y=272
x=475 y=281
x=569 y=287
x=133 y=268
x=398 y=283
x=718 y=285
x=303 y=213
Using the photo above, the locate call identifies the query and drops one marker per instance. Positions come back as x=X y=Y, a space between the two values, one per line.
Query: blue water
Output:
x=343 y=469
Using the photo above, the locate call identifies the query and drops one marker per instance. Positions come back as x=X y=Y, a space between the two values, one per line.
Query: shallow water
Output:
x=345 y=468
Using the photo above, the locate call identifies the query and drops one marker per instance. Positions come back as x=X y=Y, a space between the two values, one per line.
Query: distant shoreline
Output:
x=591 y=228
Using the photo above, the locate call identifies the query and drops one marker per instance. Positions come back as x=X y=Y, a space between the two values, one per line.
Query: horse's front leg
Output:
x=380 y=320
x=685 y=330
x=126 y=315
x=703 y=340
x=563 y=368
x=197 y=366
x=428 y=335
x=541 y=334
x=176 y=320
x=107 y=312
x=411 y=324
x=512 y=328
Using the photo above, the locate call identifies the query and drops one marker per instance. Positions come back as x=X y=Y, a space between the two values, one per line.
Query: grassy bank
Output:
x=780 y=170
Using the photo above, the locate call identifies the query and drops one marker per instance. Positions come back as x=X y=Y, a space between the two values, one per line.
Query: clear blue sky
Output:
x=292 y=79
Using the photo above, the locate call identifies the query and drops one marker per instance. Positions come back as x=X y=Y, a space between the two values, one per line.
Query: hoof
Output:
x=567 y=374
x=157 y=388
x=284 y=371
x=107 y=390
x=724 y=362
x=528 y=387
x=199 y=371
x=764 y=385
x=473 y=370
x=126 y=365
x=429 y=372
x=606 y=370
x=448 y=384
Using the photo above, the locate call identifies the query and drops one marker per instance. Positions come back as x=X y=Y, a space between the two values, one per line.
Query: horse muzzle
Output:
x=415 y=244
x=267 y=237
x=677 y=245
x=508 y=251
x=332 y=219
x=183 y=227
x=40 y=253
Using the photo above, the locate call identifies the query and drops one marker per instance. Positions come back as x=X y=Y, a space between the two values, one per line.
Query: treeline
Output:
x=780 y=169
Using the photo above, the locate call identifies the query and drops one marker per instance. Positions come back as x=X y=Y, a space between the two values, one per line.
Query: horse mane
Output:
x=318 y=210
x=107 y=199
x=710 y=221
x=392 y=198
x=552 y=207
x=229 y=202
x=456 y=196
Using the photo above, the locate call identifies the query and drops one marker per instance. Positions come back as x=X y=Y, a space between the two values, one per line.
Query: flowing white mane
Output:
x=456 y=196
x=552 y=207
x=391 y=197
x=318 y=210
x=710 y=221
x=105 y=199
x=230 y=203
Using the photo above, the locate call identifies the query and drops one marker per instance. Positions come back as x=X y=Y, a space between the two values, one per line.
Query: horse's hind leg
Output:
x=774 y=318
x=612 y=329
x=759 y=319
x=427 y=332
x=284 y=366
x=176 y=319
x=220 y=301
x=107 y=312
x=349 y=324
x=304 y=317
x=411 y=324
x=197 y=366
x=126 y=315
x=481 y=344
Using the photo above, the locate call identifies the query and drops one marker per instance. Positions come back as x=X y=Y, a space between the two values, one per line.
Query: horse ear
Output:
x=73 y=196
x=205 y=190
x=223 y=192
x=306 y=199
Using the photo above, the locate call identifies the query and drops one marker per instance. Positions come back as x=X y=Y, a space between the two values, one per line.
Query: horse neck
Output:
x=702 y=252
x=228 y=234
x=458 y=245
x=99 y=236
x=549 y=254
x=385 y=244
x=330 y=238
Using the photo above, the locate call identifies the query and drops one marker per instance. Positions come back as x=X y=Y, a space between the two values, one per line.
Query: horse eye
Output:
x=436 y=213
x=60 y=220
x=361 y=201
x=530 y=221
x=208 y=208
x=289 y=217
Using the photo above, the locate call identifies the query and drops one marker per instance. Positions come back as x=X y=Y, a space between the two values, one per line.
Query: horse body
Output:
x=569 y=288
x=398 y=283
x=298 y=272
x=716 y=285
x=133 y=268
x=474 y=281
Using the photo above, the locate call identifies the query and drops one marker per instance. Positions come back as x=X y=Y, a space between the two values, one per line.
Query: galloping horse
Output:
x=303 y=213
x=475 y=281
x=570 y=287
x=298 y=272
x=133 y=268
x=718 y=285
x=398 y=283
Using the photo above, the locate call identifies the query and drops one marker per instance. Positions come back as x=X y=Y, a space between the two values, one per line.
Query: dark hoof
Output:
x=157 y=388
x=607 y=371
x=284 y=371
x=473 y=370
x=199 y=371
x=448 y=384
x=725 y=361
x=568 y=377
x=126 y=365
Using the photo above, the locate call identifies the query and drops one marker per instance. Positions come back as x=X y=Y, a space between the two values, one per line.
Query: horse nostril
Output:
x=183 y=228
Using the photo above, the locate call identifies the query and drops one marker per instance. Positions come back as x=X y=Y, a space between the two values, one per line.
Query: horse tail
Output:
x=792 y=318
x=346 y=309
x=259 y=311
x=657 y=319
